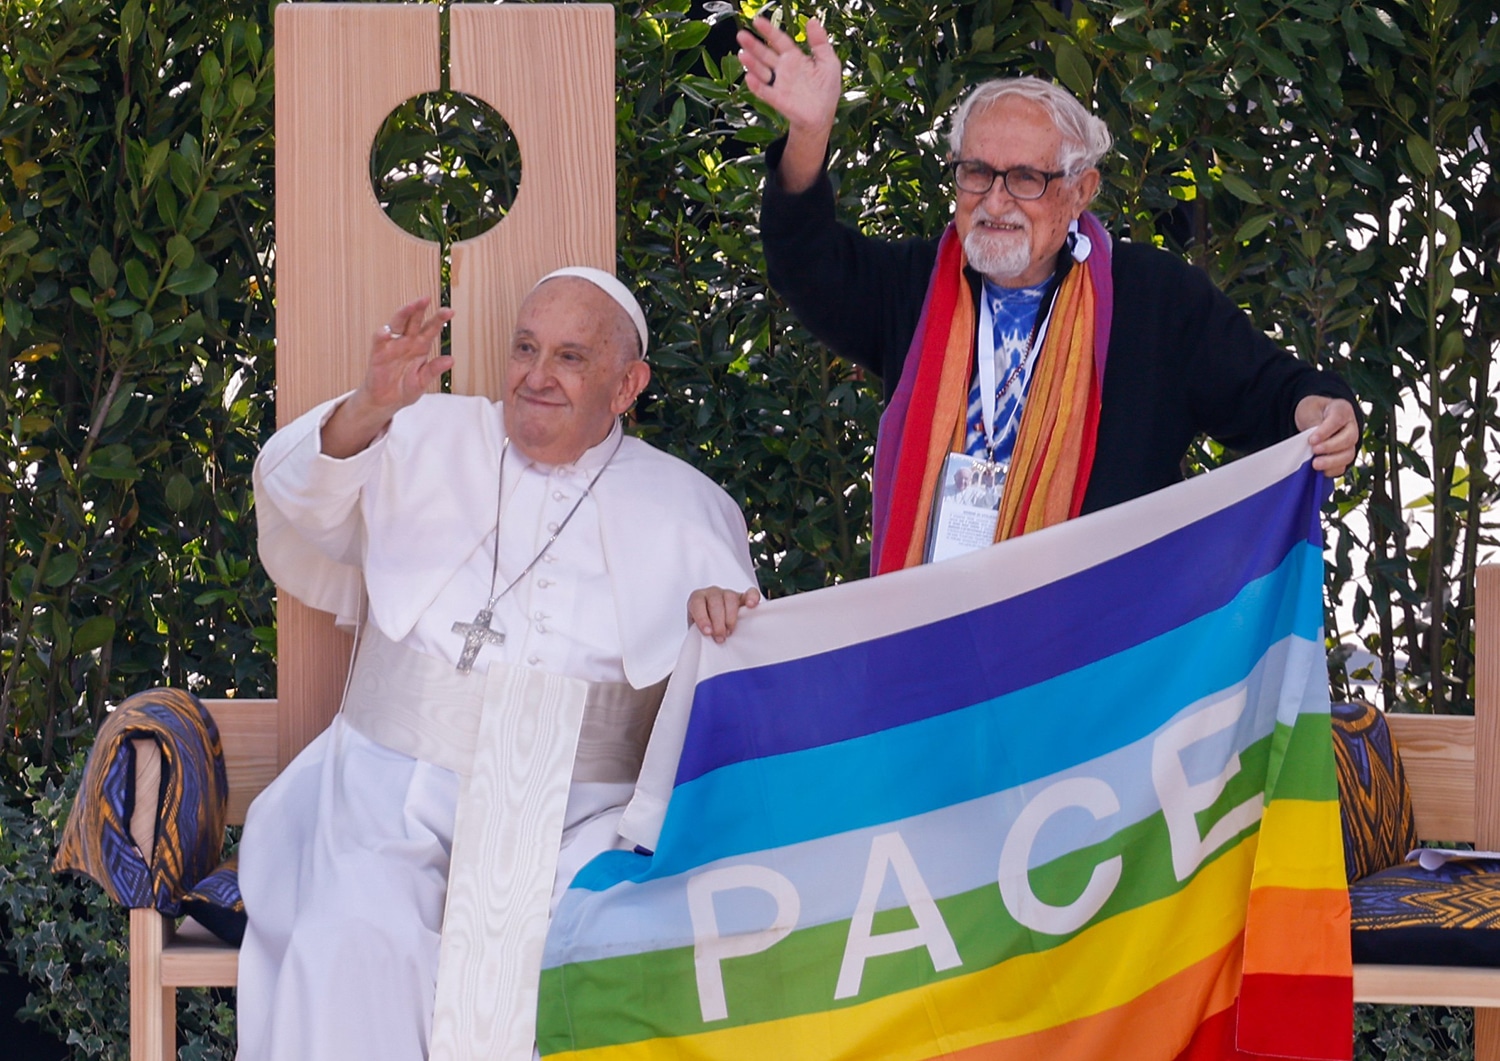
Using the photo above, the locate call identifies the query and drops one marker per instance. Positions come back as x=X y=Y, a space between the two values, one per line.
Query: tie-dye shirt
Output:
x=1014 y=310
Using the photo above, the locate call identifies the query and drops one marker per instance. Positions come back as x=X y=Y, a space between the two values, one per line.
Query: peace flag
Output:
x=1072 y=796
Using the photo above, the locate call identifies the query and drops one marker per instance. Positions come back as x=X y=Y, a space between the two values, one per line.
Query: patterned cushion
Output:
x=1407 y=915
x=1374 y=801
x=190 y=815
x=216 y=904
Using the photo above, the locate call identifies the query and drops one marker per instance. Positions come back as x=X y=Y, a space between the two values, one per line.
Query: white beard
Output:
x=999 y=256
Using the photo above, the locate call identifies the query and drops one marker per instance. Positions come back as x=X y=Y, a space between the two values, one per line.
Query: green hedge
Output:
x=1330 y=164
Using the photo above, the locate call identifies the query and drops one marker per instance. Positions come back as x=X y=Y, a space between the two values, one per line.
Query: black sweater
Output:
x=1183 y=359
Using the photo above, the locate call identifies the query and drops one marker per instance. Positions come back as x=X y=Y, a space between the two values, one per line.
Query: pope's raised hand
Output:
x=400 y=371
x=803 y=87
x=401 y=368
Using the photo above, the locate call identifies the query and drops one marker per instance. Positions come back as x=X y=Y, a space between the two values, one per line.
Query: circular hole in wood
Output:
x=445 y=167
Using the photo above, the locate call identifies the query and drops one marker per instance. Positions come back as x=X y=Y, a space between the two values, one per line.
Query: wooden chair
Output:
x=1453 y=767
x=341 y=267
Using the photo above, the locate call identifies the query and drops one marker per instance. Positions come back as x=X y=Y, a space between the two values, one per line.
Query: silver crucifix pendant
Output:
x=476 y=635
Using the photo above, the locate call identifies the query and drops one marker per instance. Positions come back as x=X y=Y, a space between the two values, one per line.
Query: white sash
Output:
x=518 y=737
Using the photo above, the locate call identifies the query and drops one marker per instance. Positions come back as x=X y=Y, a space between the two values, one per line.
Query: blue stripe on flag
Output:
x=874 y=685
x=966 y=754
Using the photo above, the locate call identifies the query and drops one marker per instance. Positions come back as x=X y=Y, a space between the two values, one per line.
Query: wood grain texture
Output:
x=249 y=731
x=147 y=796
x=195 y=957
x=561 y=110
x=1487 y=1032
x=342 y=266
x=505 y=848
x=1487 y=706
x=153 y=1008
x=1426 y=985
x=1437 y=753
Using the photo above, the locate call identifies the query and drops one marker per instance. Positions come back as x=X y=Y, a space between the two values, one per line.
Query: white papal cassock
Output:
x=345 y=860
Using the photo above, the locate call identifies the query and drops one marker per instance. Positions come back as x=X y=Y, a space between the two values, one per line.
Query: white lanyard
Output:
x=988 y=369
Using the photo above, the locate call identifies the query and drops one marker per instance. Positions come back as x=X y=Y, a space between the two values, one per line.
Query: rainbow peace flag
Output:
x=1069 y=797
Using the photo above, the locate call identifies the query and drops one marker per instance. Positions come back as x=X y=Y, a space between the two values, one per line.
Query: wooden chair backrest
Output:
x=1452 y=762
x=342 y=266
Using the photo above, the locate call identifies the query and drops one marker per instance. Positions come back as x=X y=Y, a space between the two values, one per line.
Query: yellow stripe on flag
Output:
x=1301 y=846
x=1027 y=994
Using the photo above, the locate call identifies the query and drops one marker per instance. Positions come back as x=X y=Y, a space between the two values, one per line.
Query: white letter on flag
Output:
x=1181 y=801
x=1094 y=796
x=888 y=849
x=709 y=948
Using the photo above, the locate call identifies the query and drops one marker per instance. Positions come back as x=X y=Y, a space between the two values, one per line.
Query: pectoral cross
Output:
x=476 y=635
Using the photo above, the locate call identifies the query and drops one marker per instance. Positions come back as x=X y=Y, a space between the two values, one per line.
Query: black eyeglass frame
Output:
x=1003 y=175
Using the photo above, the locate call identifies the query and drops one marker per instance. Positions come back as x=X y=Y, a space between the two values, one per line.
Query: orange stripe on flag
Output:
x=1318 y=947
x=1133 y=1031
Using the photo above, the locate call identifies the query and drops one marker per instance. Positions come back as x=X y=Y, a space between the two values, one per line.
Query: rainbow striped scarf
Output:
x=1071 y=797
x=1054 y=450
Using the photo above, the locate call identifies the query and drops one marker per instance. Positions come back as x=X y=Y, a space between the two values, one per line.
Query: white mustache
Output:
x=1013 y=217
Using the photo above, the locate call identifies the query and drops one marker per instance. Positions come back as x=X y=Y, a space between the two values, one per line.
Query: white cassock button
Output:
x=534 y=660
x=543 y=583
x=558 y=495
x=552 y=527
x=549 y=558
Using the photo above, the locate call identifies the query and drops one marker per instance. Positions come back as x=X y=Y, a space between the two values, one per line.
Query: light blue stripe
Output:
x=966 y=754
x=956 y=849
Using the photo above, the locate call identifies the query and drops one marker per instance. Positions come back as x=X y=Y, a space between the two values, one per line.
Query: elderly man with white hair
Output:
x=518 y=573
x=1024 y=339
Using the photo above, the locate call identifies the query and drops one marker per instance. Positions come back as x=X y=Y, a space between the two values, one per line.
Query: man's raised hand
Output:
x=803 y=88
x=399 y=372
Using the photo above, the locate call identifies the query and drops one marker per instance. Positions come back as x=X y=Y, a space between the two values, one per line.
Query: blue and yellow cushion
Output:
x=1407 y=915
x=216 y=904
x=1374 y=801
x=191 y=810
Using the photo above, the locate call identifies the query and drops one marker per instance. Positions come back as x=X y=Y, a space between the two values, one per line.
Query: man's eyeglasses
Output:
x=1022 y=182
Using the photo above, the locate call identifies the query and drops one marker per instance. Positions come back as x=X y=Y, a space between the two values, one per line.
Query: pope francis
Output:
x=518 y=573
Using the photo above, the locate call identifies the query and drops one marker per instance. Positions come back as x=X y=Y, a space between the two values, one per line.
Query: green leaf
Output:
x=1073 y=70
x=1253 y=227
x=131 y=21
x=179 y=492
x=689 y=36
x=210 y=70
x=179 y=250
x=156 y=158
x=242 y=91
x=102 y=267
x=1363 y=172
x=94 y=632
x=60 y=570
x=1239 y=188
x=137 y=279
x=194 y=279
x=1422 y=155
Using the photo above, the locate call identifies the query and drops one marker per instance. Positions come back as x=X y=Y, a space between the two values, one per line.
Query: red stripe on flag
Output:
x=1297 y=1016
